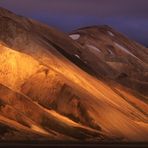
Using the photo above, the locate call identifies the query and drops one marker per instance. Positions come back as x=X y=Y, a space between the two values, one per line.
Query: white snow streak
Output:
x=110 y=33
x=93 y=47
x=124 y=49
x=110 y=52
x=77 y=56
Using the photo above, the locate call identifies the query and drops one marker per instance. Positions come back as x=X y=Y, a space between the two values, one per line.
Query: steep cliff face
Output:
x=54 y=87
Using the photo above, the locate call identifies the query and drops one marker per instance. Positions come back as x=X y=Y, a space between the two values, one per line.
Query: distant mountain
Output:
x=86 y=86
x=111 y=55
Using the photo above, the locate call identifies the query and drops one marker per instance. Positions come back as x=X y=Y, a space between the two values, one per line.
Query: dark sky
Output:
x=127 y=16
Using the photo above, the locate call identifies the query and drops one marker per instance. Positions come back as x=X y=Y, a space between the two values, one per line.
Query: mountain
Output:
x=53 y=87
x=112 y=55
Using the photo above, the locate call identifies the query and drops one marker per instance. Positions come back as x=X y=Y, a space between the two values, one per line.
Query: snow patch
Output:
x=93 y=47
x=123 y=49
x=75 y=36
x=110 y=52
x=77 y=56
x=110 y=33
x=126 y=50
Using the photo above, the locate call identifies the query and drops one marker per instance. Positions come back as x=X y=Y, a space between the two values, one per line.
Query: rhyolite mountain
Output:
x=90 y=85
